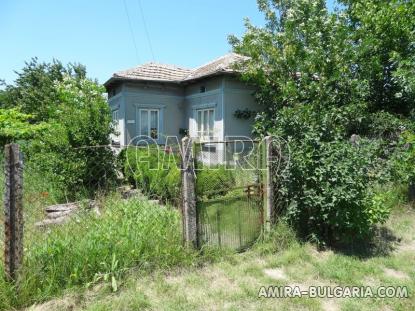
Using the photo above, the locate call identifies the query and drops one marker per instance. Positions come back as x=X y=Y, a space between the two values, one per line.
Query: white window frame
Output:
x=116 y=121
x=210 y=132
x=149 y=122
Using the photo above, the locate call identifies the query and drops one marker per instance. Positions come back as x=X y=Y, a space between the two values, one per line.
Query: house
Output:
x=158 y=101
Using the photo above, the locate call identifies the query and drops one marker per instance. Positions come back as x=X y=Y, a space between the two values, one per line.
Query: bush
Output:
x=74 y=151
x=404 y=162
x=15 y=126
x=154 y=171
x=329 y=189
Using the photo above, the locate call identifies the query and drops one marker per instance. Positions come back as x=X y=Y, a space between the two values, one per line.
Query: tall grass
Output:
x=91 y=248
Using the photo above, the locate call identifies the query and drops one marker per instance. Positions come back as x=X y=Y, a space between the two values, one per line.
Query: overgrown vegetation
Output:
x=155 y=170
x=280 y=260
x=339 y=88
x=62 y=121
x=15 y=126
x=74 y=152
x=34 y=90
x=93 y=249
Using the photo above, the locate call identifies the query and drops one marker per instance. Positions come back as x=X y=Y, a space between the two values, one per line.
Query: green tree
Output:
x=383 y=34
x=34 y=90
x=75 y=151
x=317 y=89
x=15 y=126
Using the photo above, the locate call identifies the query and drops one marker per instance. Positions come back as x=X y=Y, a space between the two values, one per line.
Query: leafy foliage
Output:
x=155 y=170
x=34 y=91
x=385 y=52
x=404 y=161
x=14 y=126
x=329 y=191
x=322 y=77
x=74 y=151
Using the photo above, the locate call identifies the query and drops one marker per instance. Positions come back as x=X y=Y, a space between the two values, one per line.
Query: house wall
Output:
x=211 y=98
x=178 y=105
x=168 y=98
x=237 y=95
x=117 y=103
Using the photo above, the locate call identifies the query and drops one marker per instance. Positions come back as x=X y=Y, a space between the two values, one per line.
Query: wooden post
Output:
x=13 y=211
x=188 y=194
x=269 y=185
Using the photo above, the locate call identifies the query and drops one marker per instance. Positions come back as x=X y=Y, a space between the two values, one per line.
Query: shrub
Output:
x=328 y=189
x=74 y=151
x=155 y=171
x=15 y=126
x=404 y=162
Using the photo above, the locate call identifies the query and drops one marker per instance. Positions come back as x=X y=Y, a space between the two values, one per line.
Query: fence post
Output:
x=13 y=211
x=269 y=185
x=188 y=194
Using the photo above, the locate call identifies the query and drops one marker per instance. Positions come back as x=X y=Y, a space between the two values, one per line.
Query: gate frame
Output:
x=189 y=209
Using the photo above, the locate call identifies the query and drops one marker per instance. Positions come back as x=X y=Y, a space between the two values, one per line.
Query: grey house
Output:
x=164 y=100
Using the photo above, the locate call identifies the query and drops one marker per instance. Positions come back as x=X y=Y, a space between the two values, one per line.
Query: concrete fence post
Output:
x=188 y=194
x=13 y=211
x=269 y=185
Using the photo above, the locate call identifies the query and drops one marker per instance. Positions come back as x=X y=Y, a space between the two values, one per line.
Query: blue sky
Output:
x=97 y=33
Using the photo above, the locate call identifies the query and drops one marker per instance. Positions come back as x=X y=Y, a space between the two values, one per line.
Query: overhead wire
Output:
x=131 y=31
x=146 y=29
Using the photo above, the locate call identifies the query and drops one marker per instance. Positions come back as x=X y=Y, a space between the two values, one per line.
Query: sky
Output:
x=111 y=35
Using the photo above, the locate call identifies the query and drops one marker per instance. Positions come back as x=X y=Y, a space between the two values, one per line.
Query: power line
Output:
x=131 y=31
x=145 y=29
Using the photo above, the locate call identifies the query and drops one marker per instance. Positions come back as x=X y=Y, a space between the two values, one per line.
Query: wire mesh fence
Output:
x=82 y=216
x=230 y=192
x=156 y=170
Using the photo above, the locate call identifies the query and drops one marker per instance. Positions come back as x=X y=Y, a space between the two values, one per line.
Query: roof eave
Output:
x=213 y=74
x=125 y=79
x=115 y=79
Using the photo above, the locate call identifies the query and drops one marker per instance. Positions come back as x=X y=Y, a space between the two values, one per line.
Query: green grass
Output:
x=233 y=282
x=89 y=249
x=232 y=221
x=132 y=258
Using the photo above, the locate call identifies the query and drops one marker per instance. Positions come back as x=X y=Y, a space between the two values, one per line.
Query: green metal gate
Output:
x=229 y=193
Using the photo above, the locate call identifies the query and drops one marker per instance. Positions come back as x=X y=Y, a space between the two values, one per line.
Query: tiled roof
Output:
x=224 y=64
x=154 y=72
x=171 y=73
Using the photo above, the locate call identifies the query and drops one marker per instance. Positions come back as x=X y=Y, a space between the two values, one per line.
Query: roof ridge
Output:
x=146 y=65
x=153 y=71
x=215 y=60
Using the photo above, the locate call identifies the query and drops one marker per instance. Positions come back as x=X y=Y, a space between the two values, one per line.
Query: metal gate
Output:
x=229 y=193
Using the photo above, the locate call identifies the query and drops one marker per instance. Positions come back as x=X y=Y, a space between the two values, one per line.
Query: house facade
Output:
x=161 y=101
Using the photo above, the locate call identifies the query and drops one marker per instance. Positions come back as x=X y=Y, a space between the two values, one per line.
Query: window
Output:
x=115 y=120
x=149 y=123
x=205 y=122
